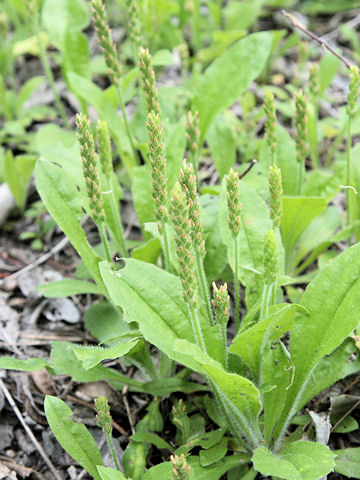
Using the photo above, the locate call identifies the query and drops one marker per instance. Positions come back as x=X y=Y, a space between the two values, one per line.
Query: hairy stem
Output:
x=236 y=282
x=115 y=211
x=268 y=299
x=349 y=193
x=104 y=241
x=126 y=123
x=195 y=321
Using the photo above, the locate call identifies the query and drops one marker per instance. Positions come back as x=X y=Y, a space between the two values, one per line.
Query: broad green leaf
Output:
x=225 y=80
x=324 y=183
x=76 y=54
x=146 y=437
x=68 y=287
x=60 y=195
x=107 y=473
x=251 y=343
x=153 y=298
x=221 y=139
x=297 y=461
x=163 y=471
x=92 y=355
x=334 y=312
x=29 y=365
x=17 y=172
x=348 y=462
x=29 y=87
x=60 y=16
x=298 y=212
x=238 y=396
x=111 y=325
x=242 y=14
x=75 y=438
x=214 y=453
x=329 y=66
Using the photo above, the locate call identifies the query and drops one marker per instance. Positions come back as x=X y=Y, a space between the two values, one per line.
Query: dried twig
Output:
x=28 y=431
x=320 y=40
x=242 y=175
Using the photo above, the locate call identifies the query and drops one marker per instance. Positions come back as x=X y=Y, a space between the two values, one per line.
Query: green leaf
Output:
x=107 y=473
x=73 y=437
x=197 y=472
x=334 y=312
x=250 y=344
x=29 y=365
x=60 y=16
x=238 y=396
x=111 y=326
x=214 y=453
x=68 y=287
x=146 y=437
x=348 y=462
x=298 y=212
x=29 y=87
x=297 y=461
x=76 y=54
x=221 y=139
x=60 y=197
x=92 y=355
x=224 y=80
x=17 y=172
x=153 y=298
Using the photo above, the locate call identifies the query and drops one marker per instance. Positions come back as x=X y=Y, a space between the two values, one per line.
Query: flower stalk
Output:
x=221 y=303
x=271 y=271
x=276 y=195
x=301 y=134
x=234 y=219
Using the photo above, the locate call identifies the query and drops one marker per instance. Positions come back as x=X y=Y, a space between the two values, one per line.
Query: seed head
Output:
x=301 y=126
x=188 y=184
x=234 y=206
x=90 y=171
x=104 y=147
x=148 y=81
x=270 y=122
x=276 y=195
x=103 y=414
x=353 y=95
x=99 y=18
x=184 y=247
x=158 y=167
x=134 y=30
x=220 y=302
x=181 y=470
x=192 y=133
x=271 y=258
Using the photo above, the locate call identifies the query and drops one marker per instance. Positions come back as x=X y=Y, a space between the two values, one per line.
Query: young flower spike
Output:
x=91 y=174
x=300 y=134
x=192 y=136
x=270 y=122
x=134 y=29
x=181 y=470
x=148 y=81
x=220 y=302
x=276 y=195
x=234 y=206
x=314 y=85
x=158 y=168
x=107 y=45
x=104 y=420
x=353 y=95
x=271 y=258
x=188 y=184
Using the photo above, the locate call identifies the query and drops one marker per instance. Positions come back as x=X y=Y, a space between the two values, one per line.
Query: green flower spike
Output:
x=185 y=256
x=148 y=81
x=104 y=421
x=192 y=134
x=220 y=302
x=188 y=183
x=271 y=258
x=104 y=148
x=353 y=95
x=234 y=220
x=134 y=29
x=276 y=195
x=107 y=45
x=91 y=174
x=234 y=206
x=183 y=50
x=158 y=168
x=180 y=470
x=301 y=134
x=314 y=81
x=270 y=122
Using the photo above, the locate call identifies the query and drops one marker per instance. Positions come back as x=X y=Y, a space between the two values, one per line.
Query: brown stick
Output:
x=322 y=42
x=242 y=175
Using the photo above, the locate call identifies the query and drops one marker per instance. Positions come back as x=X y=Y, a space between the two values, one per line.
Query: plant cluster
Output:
x=216 y=286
